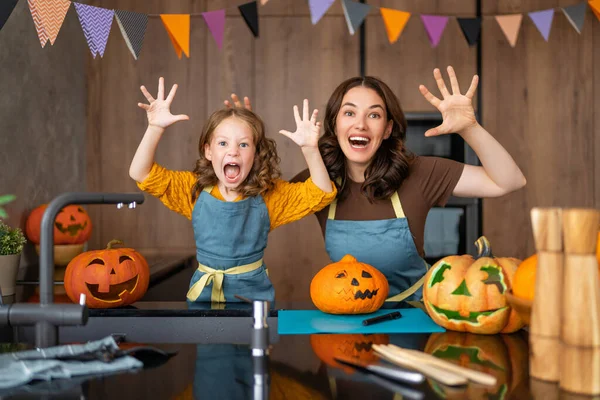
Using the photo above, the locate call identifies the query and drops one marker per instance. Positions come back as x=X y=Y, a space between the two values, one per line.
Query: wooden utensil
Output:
x=470 y=374
x=439 y=374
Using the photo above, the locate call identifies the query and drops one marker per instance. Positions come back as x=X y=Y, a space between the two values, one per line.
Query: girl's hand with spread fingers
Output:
x=307 y=129
x=456 y=109
x=237 y=103
x=159 y=109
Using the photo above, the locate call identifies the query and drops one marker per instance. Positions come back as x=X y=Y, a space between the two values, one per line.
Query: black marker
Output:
x=381 y=318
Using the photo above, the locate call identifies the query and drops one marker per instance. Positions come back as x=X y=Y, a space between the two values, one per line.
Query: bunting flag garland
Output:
x=595 y=6
x=434 y=25
x=6 y=8
x=395 y=21
x=96 y=23
x=215 y=20
x=249 y=12
x=178 y=28
x=318 y=8
x=510 y=25
x=133 y=28
x=471 y=28
x=48 y=17
x=576 y=15
x=355 y=14
x=543 y=21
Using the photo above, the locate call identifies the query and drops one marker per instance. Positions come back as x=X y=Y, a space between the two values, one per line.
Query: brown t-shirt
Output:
x=430 y=183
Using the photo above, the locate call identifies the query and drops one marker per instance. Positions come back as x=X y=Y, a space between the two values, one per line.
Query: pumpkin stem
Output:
x=112 y=242
x=484 y=248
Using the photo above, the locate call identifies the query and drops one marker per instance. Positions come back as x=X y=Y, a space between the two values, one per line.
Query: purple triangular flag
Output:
x=318 y=8
x=96 y=23
x=543 y=21
x=434 y=25
x=216 y=24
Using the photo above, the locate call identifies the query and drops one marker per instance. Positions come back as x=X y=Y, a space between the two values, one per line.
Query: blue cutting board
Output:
x=302 y=322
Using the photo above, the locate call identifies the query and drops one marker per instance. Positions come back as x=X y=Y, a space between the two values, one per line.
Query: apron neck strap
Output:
x=398 y=210
x=208 y=189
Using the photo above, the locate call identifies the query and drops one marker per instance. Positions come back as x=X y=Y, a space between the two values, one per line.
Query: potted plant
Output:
x=12 y=241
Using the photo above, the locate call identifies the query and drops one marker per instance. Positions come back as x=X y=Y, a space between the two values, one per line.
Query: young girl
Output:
x=234 y=196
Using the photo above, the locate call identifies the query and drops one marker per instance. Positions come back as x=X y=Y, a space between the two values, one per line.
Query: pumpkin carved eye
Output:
x=124 y=258
x=96 y=261
x=365 y=274
x=341 y=274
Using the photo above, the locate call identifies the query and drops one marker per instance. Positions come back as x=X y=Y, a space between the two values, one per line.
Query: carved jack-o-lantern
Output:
x=109 y=278
x=503 y=356
x=72 y=225
x=349 y=346
x=467 y=295
x=349 y=287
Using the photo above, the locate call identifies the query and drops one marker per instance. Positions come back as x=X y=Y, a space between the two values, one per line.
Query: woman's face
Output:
x=361 y=125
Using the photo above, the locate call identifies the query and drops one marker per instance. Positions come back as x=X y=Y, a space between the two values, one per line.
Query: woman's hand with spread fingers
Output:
x=159 y=109
x=457 y=109
x=307 y=129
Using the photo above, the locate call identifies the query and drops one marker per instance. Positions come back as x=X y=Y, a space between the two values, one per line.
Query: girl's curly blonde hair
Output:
x=265 y=169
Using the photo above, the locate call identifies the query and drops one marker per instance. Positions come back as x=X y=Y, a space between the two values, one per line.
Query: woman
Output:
x=384 y=191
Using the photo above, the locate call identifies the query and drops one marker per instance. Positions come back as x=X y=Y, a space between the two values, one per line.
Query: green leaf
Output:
x=7 y=198
x=494 y=277
x=3 y=213
x=462 y=289
x=438 y=275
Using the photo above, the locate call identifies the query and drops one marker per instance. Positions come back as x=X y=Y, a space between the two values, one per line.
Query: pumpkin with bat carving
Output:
x=112 y=277
x=71 y=226
x=349 y=287
x=467 y=295
x=357 y=347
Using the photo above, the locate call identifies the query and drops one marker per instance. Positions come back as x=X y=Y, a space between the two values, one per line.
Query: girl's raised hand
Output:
x=237 y=103
x=457 y=109
x=159 y=109
x=307 y=129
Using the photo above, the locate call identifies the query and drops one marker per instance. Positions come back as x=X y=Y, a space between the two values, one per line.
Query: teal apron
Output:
x=231 y=238
x=386 y=244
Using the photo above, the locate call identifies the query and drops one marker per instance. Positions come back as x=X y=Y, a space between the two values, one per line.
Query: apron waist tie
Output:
x=411 y=290
x=216 y=277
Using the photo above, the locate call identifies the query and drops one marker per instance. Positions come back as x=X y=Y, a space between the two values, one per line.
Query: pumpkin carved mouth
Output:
x=367 y=294
x=115 y=291
x=71 y=229
x=472 y=318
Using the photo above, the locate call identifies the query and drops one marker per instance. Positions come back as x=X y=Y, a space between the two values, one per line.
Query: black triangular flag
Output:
x=471 y=28
x=250 y=13
x=6 y=8
x=133 y=28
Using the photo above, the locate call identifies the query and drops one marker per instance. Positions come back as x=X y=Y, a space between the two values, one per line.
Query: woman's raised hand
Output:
x=456 y=109
x=307 y=129
x=238 y=103
x=159 y=109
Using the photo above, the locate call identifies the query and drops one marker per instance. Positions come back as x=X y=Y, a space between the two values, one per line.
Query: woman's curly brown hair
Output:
x=265 y=169
x=391 y=161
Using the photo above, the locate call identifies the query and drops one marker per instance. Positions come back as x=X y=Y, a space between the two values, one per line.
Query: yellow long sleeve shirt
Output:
x=286 y=202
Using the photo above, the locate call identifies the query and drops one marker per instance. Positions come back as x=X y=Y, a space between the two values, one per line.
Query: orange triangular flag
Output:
x=595 y=6
x=510 y=25
x=178 y=28
x=395 y=21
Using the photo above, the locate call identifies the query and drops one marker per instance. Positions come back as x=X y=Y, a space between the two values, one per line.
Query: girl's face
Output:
x=361 y=125
x=231 y=151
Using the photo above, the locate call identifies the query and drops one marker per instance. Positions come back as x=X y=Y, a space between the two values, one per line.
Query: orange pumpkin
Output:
x=467 y=295
x=524 y=280
x=109 y=278
x=349 y=287
x=350 y=346
x=503 y=356
x=71 y=226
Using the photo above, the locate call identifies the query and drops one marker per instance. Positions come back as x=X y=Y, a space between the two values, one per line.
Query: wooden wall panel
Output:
x=410 y=61
x=538 y=102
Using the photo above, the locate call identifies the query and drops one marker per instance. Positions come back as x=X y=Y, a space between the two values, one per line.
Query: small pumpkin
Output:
x=349 y=287
x=112 y=277
x=350 y=346
x=503 y=356
x=466 y=294
x=71 y=226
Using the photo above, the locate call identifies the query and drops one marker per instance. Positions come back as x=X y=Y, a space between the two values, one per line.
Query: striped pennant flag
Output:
x=6 y=8
x=96 y=23
x=48 y=17
x=133 y=28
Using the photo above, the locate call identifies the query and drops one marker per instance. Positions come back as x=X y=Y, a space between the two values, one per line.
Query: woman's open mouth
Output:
x=232 y=172
x=359 y=142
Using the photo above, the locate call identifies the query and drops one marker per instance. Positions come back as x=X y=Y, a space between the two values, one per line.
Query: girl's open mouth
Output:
x=232 y=172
